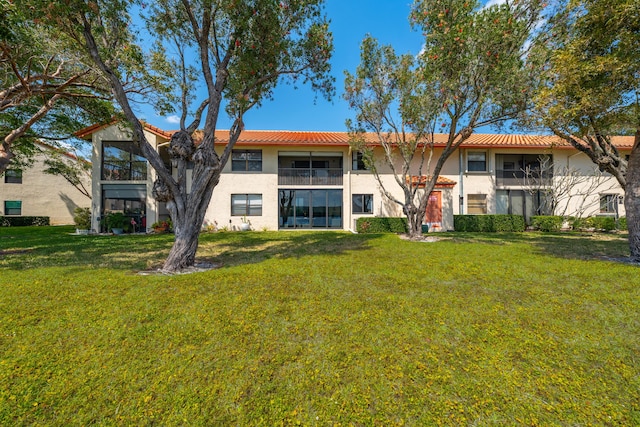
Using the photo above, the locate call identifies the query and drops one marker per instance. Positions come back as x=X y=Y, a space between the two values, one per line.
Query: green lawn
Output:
x=319 y=328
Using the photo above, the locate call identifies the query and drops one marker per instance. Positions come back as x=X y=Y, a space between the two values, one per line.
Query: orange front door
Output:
x=433 y=215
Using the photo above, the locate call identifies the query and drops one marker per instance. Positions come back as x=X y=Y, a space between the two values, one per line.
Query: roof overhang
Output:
x=441 y=182
x=341 y=139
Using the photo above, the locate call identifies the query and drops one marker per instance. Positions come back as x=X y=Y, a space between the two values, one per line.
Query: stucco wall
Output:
x=43 y=194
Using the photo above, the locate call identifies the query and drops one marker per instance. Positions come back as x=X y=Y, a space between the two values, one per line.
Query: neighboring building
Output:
x=32 y=192
x=301 y=180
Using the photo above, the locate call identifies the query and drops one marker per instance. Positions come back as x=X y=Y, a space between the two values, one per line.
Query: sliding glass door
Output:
x=310 y=208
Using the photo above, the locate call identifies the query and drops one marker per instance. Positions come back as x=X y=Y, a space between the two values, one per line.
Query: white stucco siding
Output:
x=583 y=199
x=476 y=184
x=264 y=183
x=590 y=185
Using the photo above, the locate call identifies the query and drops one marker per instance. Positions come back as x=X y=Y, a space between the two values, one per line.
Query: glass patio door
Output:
x=302 y=212
x=310 y=208
x=320 y=208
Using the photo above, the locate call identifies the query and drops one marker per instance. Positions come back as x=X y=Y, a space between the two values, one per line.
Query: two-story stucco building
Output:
x=32 y=192
x=281 y=180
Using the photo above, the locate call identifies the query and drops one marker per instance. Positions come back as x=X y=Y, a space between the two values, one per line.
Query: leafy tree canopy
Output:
x=236 y=50
x=589 y=54
x=48 y=88
x=471 y=72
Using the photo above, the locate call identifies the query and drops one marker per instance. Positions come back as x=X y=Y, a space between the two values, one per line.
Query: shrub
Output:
x=578 y=223
x=23 y=221
x=622 y=223
x=114 y=220
x=547 y=222
x=82 y=218
x=605 y=223
x=488 y=223
x=509 y=223
x=381 y=225
x=473 y=223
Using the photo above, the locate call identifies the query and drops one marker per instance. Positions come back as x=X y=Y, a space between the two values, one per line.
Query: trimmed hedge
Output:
x=488 y=223
x=605 y=223
x=22 y=221
x=381 y=225
x=599 y=223
x=622 y=223
x=547 y=222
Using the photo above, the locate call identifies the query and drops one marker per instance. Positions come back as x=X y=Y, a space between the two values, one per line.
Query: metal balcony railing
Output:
x=313 y=176
x=520 y=177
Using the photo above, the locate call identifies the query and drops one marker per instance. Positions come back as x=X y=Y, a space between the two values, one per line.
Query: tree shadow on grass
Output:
x=568 y=245
x=57 y=247
x=233 y=249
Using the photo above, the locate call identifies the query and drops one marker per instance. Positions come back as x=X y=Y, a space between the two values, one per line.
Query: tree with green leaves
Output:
x=47 y=90
x=470 y=73
x=589 y=88
x=237 y=50
x=74 y=169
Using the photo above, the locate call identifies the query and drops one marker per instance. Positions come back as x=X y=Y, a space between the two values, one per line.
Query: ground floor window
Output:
x=362 y=203
x=476 y=204
x=246 y=204
x=609 y=203
x=129 y=199
x=310 y=208
x=13 y=207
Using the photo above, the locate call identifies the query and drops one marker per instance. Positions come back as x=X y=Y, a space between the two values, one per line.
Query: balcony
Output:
x=310 y=176
x=534 y=177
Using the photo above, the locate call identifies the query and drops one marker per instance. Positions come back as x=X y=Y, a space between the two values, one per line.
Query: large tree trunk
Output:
x=632 y=199
x=414 y=221
x=187 y=223
x=183 y=251
x=188 y=210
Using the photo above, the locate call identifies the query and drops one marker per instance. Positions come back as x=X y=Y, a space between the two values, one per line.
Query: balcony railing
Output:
x=314 y=176
x=520 y=177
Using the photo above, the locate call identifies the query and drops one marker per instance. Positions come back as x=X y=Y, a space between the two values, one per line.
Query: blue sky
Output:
x=300 y=109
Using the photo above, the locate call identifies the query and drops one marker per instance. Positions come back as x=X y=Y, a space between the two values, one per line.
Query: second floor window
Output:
x=246 y=160
x=476 y=161
x=13 y=176
x=122 y=161
x=358 y=163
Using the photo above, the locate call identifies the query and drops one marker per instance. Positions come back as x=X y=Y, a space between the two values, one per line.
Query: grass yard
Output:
x=319 y=328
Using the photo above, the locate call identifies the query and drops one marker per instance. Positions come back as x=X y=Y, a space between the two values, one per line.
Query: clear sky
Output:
x=300 y=109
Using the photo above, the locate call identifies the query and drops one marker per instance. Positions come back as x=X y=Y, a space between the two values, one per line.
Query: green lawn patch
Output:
x=319 y=328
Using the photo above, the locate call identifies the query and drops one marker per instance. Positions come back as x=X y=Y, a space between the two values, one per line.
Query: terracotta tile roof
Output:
x=89 y=130
x=277 y=137
x=441 y=182
x=478 y=140
x=158 y=131
x=532 y=141
x=341 y=139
